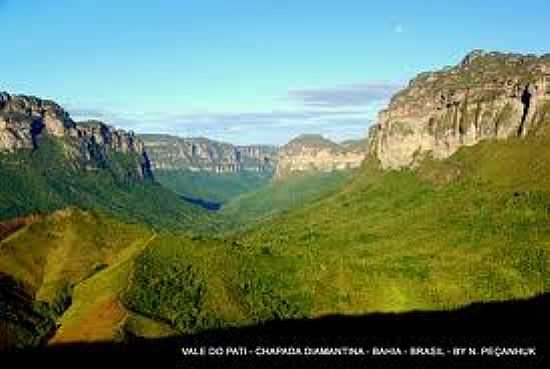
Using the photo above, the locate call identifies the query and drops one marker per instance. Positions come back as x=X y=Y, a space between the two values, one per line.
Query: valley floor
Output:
x=439 y=237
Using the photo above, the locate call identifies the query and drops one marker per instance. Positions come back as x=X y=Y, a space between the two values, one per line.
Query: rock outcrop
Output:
x=25 y=119
x=487 y=96
x=202 y=154
x=316 y=153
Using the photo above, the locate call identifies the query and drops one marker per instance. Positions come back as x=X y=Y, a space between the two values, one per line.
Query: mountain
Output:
x=441 y=236
x=49 y=162
x=312 y=152
x=486 y=96
x=444 y=233
x=200 y=169
x=202 y=154
x=405 y=231
x=76 y=199
x=25 y=119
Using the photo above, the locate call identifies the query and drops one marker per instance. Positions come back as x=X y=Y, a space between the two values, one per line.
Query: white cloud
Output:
x=339 y=113
x=360 y=94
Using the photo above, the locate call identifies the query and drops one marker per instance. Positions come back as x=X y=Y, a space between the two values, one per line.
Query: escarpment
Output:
x=486 y=96
x=25 y=120
x=202 y=154
x=316 y=153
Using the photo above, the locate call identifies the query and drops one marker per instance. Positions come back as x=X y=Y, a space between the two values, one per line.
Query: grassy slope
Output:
x=212 y=187
x=52 y=256
x=280 y=196
x=96 y=313
x=63 y=249
x=43 y=257
x=466 y=229
x=45 y=180
x=475 y=227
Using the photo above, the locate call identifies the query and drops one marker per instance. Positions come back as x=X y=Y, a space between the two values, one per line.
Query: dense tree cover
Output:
x=215 y=187
x=474 y=227
x=48 y=179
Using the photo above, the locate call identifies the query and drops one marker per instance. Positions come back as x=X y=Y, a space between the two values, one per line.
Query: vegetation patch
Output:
x=220 y=188
x=48 y=260
x=45 y=180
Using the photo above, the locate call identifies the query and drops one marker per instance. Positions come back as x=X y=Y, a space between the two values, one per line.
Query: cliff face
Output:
x=316 y=153
x=486 y=96
x=201 y=154
x=25 y=119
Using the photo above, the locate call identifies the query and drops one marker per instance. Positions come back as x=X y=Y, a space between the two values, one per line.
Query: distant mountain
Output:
x=355 y=145
x=208 y=170
x=202 y=154
x=312 y=152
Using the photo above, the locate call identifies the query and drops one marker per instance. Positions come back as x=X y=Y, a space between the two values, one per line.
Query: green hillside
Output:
x=441 y=236
x=44 y=262
x=212 y=187
x=474 y=227
x=47 y=179
x=280 y=196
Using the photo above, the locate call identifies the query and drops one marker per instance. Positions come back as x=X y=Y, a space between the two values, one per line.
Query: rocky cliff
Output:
x=24 y=120
x=202 y=154
x=486 y=96
x=316 y=153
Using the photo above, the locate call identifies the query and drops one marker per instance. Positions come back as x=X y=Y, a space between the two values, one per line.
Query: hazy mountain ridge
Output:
x=203 y=154
x=312 y=152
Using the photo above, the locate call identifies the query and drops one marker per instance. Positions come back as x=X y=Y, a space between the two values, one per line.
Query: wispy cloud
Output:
x=340 y=113
x=351 y=95
x=398 y=28
x=89 y=113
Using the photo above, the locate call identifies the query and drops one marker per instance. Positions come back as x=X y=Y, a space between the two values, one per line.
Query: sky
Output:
x=246 y=71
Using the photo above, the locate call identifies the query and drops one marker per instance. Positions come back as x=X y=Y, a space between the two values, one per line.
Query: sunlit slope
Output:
x=279 y=196
x=96 y=313
x=48 y=260
x=195 y=284
x=475 y=227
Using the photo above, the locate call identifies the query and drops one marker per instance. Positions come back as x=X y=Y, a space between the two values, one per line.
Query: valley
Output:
x=108 y=236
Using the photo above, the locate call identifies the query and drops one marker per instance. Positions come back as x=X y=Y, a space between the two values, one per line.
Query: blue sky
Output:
x=246 y=71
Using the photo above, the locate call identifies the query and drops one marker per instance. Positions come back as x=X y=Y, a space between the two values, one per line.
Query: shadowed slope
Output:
x=517 y=323
x=47 y=179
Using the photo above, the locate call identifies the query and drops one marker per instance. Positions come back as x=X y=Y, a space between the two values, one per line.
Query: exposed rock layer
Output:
x=486 y=96
x=316 y=153
x=25 y=119
x=202 y=154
